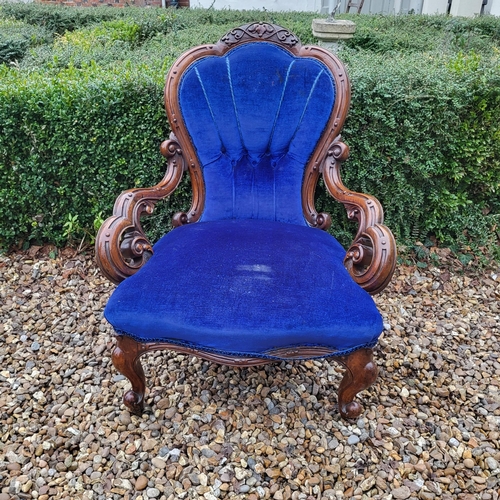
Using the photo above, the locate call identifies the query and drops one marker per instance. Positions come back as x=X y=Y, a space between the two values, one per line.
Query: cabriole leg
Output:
x=361 y=372
x=126 y=360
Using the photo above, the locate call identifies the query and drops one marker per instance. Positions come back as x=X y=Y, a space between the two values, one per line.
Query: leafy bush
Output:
x=108 y=31
x=57 y=19
x=385 y=34
x=69 y=143
x=427 y=143
x=17 y=37
x=102 y=44
x=81 y=118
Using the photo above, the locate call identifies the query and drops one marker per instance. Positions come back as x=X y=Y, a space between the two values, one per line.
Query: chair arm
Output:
x=371 y=258
x=121 y=244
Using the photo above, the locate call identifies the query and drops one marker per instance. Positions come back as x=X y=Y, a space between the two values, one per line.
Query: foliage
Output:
x=57 y=20
x=81 y=118
x=385 y=34
x=69 y=143
x=17 y=37
x=427 y=143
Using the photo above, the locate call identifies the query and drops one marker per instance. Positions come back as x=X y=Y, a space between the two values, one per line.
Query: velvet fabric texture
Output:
x=251 y=276
x=255 y=116
x=246 y=287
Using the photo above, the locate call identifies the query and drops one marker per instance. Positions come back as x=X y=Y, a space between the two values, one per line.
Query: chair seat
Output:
x=246 y=287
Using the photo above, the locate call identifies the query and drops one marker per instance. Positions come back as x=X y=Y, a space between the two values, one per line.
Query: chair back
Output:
x=255 y=108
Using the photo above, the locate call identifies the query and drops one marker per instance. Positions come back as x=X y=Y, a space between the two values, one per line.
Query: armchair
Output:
x=249 y=275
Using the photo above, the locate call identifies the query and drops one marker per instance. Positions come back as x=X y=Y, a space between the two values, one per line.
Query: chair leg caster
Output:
x=361 y=372
x=126 y=359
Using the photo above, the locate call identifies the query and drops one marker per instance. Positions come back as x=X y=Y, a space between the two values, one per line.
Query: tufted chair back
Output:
x=254 y=109
x=254 y=116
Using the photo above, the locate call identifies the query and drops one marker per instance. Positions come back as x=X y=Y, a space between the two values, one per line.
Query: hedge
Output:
x=17 y=37
x=81 y=118
x=427 y=142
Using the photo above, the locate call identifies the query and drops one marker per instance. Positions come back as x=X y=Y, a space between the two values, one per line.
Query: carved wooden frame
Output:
x=361 y=370
x=122 y=247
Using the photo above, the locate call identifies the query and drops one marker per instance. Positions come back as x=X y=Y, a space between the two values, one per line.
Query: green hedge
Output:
x=386 y=34
x=69 y=143
x=16 y=38
x=424 y=134
x=81 y=118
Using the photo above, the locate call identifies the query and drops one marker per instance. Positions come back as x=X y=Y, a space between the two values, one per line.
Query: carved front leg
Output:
x=126 y=359
x=361 y=372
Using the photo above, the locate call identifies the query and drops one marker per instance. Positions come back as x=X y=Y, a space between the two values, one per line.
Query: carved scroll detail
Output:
x=371 y=258
x=260 y=31
x=121 y=244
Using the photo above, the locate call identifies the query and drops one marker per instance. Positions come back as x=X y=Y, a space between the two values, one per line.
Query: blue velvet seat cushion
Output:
x=246 y=287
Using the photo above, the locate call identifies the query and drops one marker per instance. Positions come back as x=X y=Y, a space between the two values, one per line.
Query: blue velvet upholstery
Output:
x=245 y=287
x=251 y=276
x=254 y=116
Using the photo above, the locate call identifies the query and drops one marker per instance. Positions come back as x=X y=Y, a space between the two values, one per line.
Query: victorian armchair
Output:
x=249 y=274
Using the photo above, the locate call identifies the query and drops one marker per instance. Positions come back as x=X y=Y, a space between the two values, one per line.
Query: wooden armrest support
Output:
x=371 y=258
x=121 y=245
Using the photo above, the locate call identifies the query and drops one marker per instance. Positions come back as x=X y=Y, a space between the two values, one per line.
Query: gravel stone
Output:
x=368 y=483
x=141 y=482
x=429 y=428
x=14 y=487
x=353 y=439
x=153 y=492
x=401 y=493
x=164 y=451
x=174 y=454
x=159 y=463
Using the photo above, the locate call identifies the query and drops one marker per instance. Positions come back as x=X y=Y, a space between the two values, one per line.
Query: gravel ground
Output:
x=430 y=429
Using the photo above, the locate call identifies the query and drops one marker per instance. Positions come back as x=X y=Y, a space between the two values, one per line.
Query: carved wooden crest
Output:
x=260 y=31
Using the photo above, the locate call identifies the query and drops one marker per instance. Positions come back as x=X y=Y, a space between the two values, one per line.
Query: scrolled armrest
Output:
x=371 y=258
x=121 y=244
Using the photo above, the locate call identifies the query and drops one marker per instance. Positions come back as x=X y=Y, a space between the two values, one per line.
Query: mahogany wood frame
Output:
x=122 y=246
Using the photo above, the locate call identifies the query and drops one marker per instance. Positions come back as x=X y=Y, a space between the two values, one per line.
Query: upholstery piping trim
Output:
x=262 y=355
